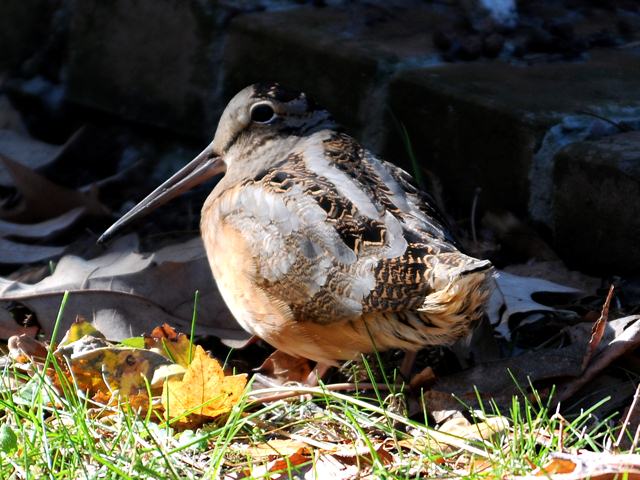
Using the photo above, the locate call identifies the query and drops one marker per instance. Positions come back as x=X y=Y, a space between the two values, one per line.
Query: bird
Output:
x=318 y=246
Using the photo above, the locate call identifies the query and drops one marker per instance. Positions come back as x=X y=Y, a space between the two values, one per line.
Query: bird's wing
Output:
x=337 y=233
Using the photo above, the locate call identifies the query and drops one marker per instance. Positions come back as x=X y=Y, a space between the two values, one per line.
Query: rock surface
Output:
x=151 y=61
x=343 y=57
x=596 y=199
x=487 y=124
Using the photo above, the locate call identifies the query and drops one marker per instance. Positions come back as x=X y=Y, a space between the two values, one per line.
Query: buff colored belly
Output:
x=267 y=317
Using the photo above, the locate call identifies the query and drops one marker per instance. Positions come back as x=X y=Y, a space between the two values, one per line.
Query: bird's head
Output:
x=256 y=117
x=263 y=112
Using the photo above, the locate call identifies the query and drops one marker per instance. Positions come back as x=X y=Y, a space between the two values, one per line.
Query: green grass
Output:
x=45 y=434
x=72 y=441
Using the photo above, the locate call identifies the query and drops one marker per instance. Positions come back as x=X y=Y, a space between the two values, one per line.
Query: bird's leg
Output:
x=317 y=374
x=407 y=363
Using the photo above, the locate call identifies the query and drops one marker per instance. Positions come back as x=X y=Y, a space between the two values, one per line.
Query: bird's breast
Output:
x=233 y=265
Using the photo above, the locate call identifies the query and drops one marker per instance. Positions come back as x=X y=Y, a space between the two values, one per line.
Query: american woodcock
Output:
x=318 y=246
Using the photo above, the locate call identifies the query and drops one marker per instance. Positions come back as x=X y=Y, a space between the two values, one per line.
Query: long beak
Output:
x=197 y=171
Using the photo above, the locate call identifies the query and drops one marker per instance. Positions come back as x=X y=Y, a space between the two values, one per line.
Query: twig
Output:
x=627 y=421
x=295 y=391
x=621 y=126
x=474 y=206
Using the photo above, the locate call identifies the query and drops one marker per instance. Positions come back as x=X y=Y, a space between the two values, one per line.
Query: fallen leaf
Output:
x=501 y=379
x=203 y=391
x=176 y=346
x=125 y=293
x=555 y=271
x=621 y=336
x=513 y=296
x=164 y=372
x=453 y=434
x=24 y=348
x=285 y=368
x=272 y=448
x=281 y=467
x=41 y=199
x=587 y=465
x=329 y=466
x=300 y=457
x=557 y=465
x=12 y=253
x=41 y=230
x=351 y=454
x=28 y=151
x=597 y=331
x=126 y=371
x=423 y=379
x=80 y=328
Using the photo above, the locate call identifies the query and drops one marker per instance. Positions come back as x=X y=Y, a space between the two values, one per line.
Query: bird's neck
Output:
x=248 y=158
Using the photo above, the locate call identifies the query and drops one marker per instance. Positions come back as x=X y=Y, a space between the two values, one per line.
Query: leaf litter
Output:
x=126 y=293
x=107 y=374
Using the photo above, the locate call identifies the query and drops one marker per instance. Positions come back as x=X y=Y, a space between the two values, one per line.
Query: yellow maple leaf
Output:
x=204 y=390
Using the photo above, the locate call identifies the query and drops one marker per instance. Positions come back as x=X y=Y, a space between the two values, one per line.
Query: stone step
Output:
x=342 y=56
x=596 y=203
x=497 y=126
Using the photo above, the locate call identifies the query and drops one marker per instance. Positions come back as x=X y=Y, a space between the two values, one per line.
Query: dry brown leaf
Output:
x=423 y=379
x=513 y=296
x=41 y=230
x=112 y=370
x=176 y=346
x=126 y=293
x=28 y=151
x=588 y=465
x=329 y=466
x=12 y=253
x=272 y=448
x=501 y=379
x=300 y=457
x=285 y=368
x=621 y=336
x=455 y=433
x=42 y=199
x=351 y=454
x=24 y=348
x=280 y=467
x=203 y=391
x=597 y=331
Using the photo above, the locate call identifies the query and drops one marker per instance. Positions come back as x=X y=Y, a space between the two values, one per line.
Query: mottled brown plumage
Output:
x=319 y=247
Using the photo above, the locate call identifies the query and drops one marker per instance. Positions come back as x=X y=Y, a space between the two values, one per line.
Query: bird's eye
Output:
x=262 y=113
